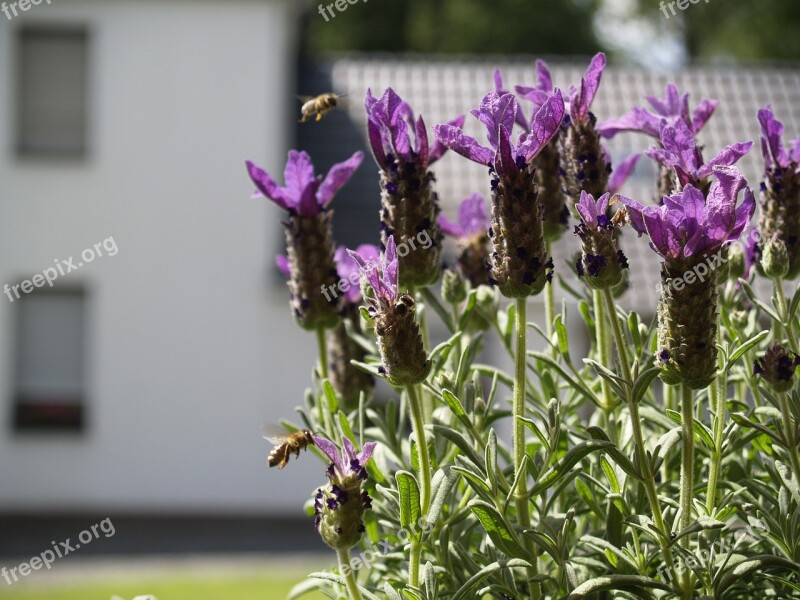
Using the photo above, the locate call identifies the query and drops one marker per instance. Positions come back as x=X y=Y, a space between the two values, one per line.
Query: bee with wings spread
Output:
x=286 y=443
x=317 y=105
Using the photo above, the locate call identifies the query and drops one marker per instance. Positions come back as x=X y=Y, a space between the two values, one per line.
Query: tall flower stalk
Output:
x=520 y=265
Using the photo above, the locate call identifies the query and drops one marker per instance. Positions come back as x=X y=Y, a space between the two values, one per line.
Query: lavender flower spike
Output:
x=679 y=151
x=309 y=242
x=601 y=263
x=471 y=231
x=340 y=506
x=399 y=341
x=672 y=108
x=689 y=232
x=779 y=217
x=409 y=203
x=520 y=264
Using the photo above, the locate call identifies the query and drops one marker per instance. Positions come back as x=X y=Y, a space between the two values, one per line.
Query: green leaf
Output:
x=390 y=592
x=445 y=347
x=569 y=460
x=473 y=581
x=531 y=424
x=642 y=383
x=743 y=421
x=751 y=295
x=563 y=339
x=410 y=511
x=743 y=348
x=633 y=583
x=700 y=430
x=789 y=480
x=702 y=523
x=578 y=385
x=633 y=328
x=499 y=531
x=440 y=494
x=458 y=439
x=793 y=304
x=752 y=565
x=467 y=310
x=616 y=382
x=340 y=580
x=456 y=408
x=613 y=482
x=330 y=397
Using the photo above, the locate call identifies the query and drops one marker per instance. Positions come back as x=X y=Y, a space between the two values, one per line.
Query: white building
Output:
x=132 y=120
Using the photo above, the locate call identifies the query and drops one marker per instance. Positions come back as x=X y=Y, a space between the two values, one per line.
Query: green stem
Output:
x=650 y=487
x=783 y=309
x=622 y=348
x=717 y=394
x=603 y=351
x=422 y=317
x=323 y=353
x=791 y=440
x=687 y=474
x=349 y=577
x=549 y=303
x=521 y=490
x=418 y=423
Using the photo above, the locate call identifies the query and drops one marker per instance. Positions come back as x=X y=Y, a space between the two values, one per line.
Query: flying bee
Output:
x=317 y=106
x=285 y=444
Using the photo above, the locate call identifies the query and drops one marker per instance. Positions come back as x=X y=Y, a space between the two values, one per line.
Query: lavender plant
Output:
x=572 y=476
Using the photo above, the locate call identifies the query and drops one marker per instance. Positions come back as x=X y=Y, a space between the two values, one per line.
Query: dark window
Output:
x=49 y=385
x=52 y=76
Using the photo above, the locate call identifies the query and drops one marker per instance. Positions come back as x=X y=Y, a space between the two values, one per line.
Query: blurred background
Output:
x=135 y=386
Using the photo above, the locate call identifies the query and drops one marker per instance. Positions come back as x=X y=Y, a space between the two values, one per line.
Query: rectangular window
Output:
x=52 y=77
x=50 y=341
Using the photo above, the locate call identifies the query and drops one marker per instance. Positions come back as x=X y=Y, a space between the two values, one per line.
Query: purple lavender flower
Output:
x=679 y=151
x=543 y=89
x=305 y=193
x=689 y=232
x=520 y=263
x=349 y=270
x=471 y=231
x=672 y=108
x=689 y=225
x=584 y=160
x=309 y=242
x=399 y=341
x=601 y=263
x=409 y=204
x=779 y=217
x=622 y=172
x=339 y=508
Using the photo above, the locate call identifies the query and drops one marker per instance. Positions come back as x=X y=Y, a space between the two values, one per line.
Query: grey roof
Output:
x=441 y=89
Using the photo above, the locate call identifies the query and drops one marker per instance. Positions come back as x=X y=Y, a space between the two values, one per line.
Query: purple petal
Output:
x=581 y=101
x=450 y=228
x=544 y=126
x=505 y=162
x=794 y=151
x=660 y=236
x=421 y=141
x=771 y=145
x=348 y=450
x=702 y=114
x=330 y=450
x=453 y=138
x=622 y=172
x=282 y=263
x=366 y=453
x=498 y=82
x=267 y=186
x=637 y=120
x=472 y=215
x=390 y=270
x=543 y=75
x=728 y=156
x=496 y=111
x=679 y=140
x=308 y=206
x=369 y=270
x=339 y=174
x=587 y=208
x=602 y=204
x=299 y=173
x=671 y=106
x=438 y=149
x=635 y=213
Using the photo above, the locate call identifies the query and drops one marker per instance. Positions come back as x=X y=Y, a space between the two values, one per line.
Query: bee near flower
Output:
x=339 y=506
x=318 y=106
x=286 y=443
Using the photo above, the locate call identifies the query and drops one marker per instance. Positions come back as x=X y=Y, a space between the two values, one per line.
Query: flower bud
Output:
x=775 y=259
x=453 y=289
x=400 y=343
x=736 y=262
x=777 y=367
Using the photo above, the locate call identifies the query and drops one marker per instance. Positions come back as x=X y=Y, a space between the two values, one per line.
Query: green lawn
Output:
x=248 y=588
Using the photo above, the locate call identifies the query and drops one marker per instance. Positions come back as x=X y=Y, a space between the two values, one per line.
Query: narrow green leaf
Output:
x=632 y=583
x=330 y=397
x=752 y=565
x=499 y=531
x=789 y=480
x=613 y=482
x=743 y=421
x=563 y=339
x=340 y=580
x=467 y=310
x=458 y=439
x=742 y=349
x=440 y=494
x=409 y=500
x=456 y=408
x=473 y=581
x=569 y=460
x=531 y=424
x=700 y=430
x=702 y=523
x=642 y=383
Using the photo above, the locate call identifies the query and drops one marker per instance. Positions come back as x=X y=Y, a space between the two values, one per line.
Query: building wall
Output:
x=190 y=344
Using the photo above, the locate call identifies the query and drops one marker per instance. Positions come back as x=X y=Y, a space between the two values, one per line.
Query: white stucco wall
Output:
x=190 y=342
